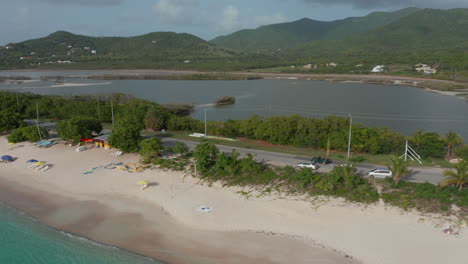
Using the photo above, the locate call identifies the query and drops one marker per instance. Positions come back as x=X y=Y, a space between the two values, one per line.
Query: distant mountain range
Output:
x=159 y=44
x=407 y=36
x=292 y=34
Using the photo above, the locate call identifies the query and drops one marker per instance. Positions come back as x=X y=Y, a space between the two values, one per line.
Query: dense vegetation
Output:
x=232 y=170
x=424 y=197
x=65 y=46
x=213 y=166
x=133 y=115
x=29 y=133
x=291 y=34
x=75 y=128
x=317 y=133
x=398 y=39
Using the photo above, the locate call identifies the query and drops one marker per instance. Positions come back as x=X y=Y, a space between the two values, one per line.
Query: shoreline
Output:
x=161 y=222
x=145 y=227
x=136 y=74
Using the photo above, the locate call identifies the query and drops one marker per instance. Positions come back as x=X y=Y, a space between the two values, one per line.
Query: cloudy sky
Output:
x=26 y=19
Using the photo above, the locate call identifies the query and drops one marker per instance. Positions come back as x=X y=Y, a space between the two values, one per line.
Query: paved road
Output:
x=432 y=175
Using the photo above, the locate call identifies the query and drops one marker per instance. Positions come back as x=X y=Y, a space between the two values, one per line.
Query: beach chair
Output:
x=46 y=167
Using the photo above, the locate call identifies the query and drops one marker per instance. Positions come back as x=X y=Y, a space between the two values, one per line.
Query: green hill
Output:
x=160 y=46
x=291 y=34
x=433 y=36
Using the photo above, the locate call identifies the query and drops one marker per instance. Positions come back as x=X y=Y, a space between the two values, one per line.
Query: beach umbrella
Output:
x=32 y=161
x=41 y=163
x=7 y=158
x=144 y=182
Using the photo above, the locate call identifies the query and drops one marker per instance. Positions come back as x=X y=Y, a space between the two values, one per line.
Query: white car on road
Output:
x=380 y=173
x=309 y=165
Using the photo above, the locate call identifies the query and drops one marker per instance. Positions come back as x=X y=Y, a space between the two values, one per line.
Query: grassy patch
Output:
x=424 y=197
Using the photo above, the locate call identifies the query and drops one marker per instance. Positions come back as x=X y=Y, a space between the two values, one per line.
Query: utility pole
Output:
x=406 y=151
x=17 y=102
x=205 y=124
x=98 y=108
x=112 y=109
x=37 y=121
x=350 y=132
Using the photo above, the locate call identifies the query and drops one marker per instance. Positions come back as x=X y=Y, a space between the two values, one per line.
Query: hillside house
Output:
x=308 y=66
x=378 y=69
x=424 y=68
x=94 y=52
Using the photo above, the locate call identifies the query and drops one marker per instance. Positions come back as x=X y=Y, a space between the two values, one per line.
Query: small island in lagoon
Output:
x=225 y=100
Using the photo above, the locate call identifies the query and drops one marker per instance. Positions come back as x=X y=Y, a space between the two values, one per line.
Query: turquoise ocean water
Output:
x=25 y=241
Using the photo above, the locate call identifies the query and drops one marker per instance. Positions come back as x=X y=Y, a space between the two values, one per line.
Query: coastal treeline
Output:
x=132 y=115
x=232 y=170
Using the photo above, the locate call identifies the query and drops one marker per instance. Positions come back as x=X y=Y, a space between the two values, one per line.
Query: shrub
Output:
x=10 y=120
x=30 y=133
x=180 y=148
x=205 y=155
x=16 y=136
x=149 y=148
x=77 y=128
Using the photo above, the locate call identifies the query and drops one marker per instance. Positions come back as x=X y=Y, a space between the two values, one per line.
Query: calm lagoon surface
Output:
x=26 y=241
x=404 y=109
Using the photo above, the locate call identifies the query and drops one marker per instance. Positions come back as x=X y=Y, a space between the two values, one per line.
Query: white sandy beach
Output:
x=373 y=235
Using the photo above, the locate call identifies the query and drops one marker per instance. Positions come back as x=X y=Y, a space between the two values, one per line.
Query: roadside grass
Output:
x=424 y=197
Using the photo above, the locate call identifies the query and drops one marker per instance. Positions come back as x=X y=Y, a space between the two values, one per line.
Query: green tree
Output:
x=417 y=139
x=205 y=155
x=126 y=136
x=10 y=120
x=77 y=128
x=156 y=118
x=452 y=139
x=398 y=167
x=180 y=148
x=459 y=176
x=30 y=133
x=150 y=147
x=16 y=136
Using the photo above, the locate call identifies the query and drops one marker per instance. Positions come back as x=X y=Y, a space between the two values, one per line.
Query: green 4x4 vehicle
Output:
x=320 y=160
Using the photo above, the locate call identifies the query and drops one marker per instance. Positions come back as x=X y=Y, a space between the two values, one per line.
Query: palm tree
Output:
x=418 y=138
x=398 y=167
x=453 y=139
x=459 y=176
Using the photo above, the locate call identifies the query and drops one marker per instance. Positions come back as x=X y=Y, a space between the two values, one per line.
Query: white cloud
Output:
x=230 y=19
x=174 y=11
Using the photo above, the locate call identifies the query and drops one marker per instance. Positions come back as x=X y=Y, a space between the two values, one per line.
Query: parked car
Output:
x=380 y=173
x=310 y=165
x=320 y=160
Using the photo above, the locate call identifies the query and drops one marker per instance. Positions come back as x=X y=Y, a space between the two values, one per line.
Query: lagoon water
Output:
x=404 y=109
x=25 y=241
